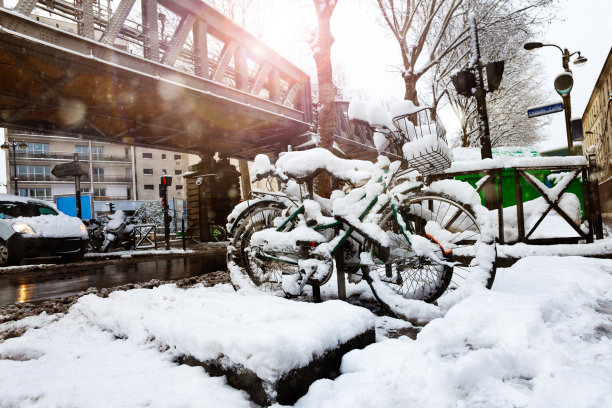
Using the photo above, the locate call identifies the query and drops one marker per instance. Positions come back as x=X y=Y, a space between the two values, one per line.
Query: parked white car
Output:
x=32 y=228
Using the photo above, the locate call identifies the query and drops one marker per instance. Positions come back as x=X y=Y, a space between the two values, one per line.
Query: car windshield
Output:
x=17 y=209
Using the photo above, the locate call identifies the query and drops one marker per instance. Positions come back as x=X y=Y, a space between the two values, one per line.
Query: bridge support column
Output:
x=245 y=178
x=204 y=197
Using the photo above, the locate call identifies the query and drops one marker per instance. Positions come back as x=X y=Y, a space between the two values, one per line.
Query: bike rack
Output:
x=142 y=232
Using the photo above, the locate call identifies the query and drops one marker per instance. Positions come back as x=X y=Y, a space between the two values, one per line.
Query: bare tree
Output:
x=427 y=31
x=519 y=89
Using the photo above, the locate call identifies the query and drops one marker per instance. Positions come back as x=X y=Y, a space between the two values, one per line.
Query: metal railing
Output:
x=111 y=198
x=110 y=179
x=70 y=156
x=110 y=157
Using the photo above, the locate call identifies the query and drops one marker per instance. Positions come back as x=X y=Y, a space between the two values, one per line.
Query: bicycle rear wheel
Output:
x=247 y=267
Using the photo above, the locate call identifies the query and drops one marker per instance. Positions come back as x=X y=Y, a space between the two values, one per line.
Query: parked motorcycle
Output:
x=119 y=233
x=95 y=231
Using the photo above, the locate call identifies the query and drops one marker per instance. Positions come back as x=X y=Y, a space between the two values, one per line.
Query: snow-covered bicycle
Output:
x=409 y=241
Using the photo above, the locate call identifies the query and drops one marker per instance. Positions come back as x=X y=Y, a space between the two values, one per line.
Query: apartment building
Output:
x=150 y=165
x=116 y=172
x=597 y=126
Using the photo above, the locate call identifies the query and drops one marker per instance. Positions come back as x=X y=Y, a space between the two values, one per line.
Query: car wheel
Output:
x=6 y=258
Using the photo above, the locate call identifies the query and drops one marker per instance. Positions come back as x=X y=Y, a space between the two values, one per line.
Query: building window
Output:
x=82 y=151
x=178 y=172
x=39 y=193
x=127 y=152
x=147 y=155
x=85 y=191
x=128 y=173
x=177 y=157
x=97 y=152
x=129 y=193
x=35 y=149
x=147 y=172
x=97 y=173
x=179 y=186
x=34 y=173
x=99 y=192
x=164 y=156
x=149 y=187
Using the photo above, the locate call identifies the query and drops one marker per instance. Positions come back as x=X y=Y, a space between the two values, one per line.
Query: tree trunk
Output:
x=327 y=91
x=411 y=91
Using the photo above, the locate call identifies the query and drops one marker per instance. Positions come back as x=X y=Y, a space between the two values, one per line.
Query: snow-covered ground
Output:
x=541 y=338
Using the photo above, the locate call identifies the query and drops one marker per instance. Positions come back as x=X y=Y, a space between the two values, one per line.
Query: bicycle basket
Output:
x=425 y=147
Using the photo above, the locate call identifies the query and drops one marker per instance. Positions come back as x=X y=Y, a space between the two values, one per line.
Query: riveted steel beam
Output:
x=178 y=39
x=86 y=18
x=25 y=6
x=200 y=43
x=292 y=94
x=262 y=75
x=224 y=60
x=116 y=22
x=150 y=29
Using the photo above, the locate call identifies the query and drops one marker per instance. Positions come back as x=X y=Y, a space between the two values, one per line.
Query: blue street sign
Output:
x=545 y=110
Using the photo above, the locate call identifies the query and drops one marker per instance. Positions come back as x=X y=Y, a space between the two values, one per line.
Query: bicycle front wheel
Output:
x=446 y=252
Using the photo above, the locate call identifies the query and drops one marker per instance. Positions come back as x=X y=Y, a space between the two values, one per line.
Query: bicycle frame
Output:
x=337 y=224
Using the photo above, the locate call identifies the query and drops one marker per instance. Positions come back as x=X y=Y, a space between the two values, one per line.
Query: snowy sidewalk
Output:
x=541 y=338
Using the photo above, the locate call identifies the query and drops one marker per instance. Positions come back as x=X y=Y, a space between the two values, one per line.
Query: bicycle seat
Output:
x=306 y=164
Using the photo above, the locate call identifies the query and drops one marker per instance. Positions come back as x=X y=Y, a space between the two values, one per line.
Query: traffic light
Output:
x=111 y=207
x=464 y=82
x=163 y=193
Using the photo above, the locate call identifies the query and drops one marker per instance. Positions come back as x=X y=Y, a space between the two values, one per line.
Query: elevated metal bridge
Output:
x=167 y=74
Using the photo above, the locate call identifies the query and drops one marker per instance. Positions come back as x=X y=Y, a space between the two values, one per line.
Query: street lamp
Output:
x=13 y=145
x=563 y=85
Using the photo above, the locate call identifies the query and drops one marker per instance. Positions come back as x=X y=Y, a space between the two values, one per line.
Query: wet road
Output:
x=32 y=288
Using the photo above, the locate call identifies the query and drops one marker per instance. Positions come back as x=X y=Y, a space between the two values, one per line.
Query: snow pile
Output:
x=54 y=226
x=73 y=363
x=400 y=108
x=520 y=250
x=142 y=252
x=303 y=164
x=261 y=167
x=541 y=338
x=509 y=162
x=462 y=154
x=120 y=351
x=427 y=145
x=272 y=238
x=371 y=112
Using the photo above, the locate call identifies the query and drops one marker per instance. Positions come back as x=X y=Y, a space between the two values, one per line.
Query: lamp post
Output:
x=13 y=145
x=563 y=85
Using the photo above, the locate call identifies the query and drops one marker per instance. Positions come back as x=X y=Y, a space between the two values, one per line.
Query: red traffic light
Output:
x=166 y=180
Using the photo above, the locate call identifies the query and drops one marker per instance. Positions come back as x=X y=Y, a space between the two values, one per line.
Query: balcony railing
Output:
x=110 y=157
x=96 y=178
x=111 y=179
x=70 y=156
x=33 y=177
x=46 y=177
x=46 y=155
x=111 y=198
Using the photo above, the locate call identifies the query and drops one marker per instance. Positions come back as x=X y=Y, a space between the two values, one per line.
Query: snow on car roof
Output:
x=19 y=199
